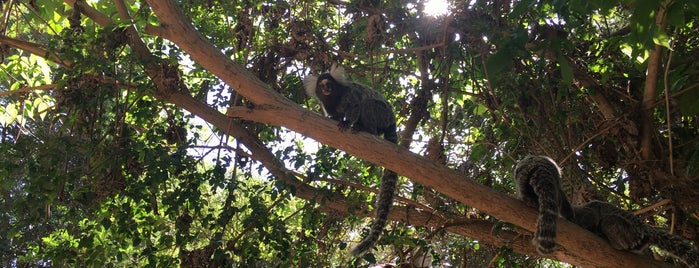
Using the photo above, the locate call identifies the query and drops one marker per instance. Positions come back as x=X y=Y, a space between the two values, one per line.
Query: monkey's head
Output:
x=326 y=83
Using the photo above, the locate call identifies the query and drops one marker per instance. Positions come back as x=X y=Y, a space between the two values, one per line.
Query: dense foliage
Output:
x=100 y=166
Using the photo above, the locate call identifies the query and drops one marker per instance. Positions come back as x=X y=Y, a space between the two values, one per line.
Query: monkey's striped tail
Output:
x=676 y=246
x=383 y=206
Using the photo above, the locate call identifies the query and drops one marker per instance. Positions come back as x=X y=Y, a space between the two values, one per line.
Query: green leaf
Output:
x=15 y=85
x=9 y=114
x=661 y=38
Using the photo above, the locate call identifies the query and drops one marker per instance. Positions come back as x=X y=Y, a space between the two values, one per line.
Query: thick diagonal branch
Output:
x=580 y=247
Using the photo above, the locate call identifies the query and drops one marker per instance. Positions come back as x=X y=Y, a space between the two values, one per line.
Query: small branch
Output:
x=650 y=88
x=26 y=89
x=396 y=51
x=666 y=84
x=90 y=12
x=35 y=49
x=588 y=140
x=156 y=30
x=652 y=207
x=678 y=94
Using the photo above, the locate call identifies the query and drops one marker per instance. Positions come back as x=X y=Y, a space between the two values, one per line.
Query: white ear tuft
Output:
x=310 y=84
x=338 y=72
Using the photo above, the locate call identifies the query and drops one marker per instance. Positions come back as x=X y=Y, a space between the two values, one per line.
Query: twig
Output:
x=666 y=84
x=652 y=207
x=27 y=89
x=588 y=140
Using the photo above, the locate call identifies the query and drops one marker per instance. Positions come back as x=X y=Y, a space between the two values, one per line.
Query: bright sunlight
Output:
x=436 y=8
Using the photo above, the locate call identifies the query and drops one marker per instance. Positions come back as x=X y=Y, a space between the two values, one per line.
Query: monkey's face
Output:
x=325 y=86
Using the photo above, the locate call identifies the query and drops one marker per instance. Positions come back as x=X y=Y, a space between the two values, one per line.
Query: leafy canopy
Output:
x=102 y=165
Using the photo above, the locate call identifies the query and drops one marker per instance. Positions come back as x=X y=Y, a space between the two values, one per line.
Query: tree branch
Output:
x=27 y=89
x=34 y=49
x=578 y=246
x=650 y=88
x=583 y=248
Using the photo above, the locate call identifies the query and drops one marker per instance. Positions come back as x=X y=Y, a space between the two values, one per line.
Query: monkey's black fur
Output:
x=355 y=105
x=361 y=108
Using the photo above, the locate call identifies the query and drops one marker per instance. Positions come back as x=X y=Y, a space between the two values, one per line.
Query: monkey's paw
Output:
x=344 y=125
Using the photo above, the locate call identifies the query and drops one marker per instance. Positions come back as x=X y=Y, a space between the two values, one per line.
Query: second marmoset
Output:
x=538 y=181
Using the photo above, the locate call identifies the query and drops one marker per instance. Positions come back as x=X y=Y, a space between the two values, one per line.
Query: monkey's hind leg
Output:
x=623 y=230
